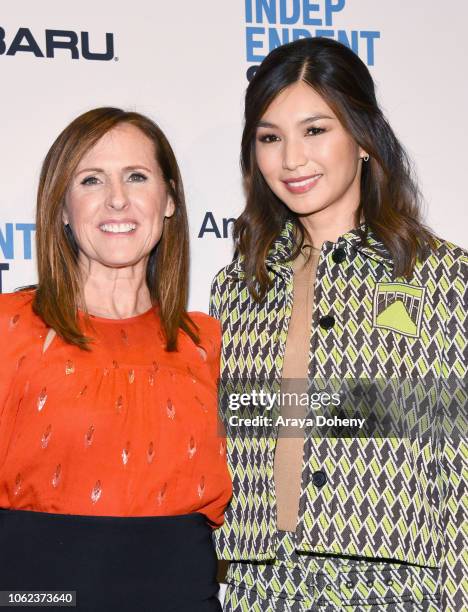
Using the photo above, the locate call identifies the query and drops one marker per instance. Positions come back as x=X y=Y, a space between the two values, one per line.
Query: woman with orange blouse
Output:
x=112 y=470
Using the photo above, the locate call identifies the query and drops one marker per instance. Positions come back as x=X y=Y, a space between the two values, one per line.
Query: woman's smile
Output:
x=302 y=184
x=118 y=227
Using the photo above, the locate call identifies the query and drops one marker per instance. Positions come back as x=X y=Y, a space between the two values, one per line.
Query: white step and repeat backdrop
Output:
x=185 y=64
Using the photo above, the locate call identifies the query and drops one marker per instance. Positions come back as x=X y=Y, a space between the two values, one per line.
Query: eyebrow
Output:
x=138 y=167
x=267 y=124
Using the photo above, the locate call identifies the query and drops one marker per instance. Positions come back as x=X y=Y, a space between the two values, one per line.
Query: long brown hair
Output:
x=390 y=198
x=59 y=291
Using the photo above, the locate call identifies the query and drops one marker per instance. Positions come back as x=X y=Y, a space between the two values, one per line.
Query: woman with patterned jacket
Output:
x=337 y=280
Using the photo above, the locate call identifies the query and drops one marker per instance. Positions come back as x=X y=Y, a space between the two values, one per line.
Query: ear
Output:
x=170 y=206
x=65 y=218
x=363 y=153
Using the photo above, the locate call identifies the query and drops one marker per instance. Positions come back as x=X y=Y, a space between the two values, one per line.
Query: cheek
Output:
x=153 y=208
x=341 y=155
x=267 y=161
x=80 y=209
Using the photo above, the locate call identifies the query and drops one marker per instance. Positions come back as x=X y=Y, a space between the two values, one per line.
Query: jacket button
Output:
x=339 y=255
x=327 y=322
x=319 y=478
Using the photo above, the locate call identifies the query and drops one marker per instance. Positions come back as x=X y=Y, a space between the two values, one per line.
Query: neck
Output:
x=329 y=224
x=116 y=293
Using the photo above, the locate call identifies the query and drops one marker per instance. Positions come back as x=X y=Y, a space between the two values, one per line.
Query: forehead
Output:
x=125 y=143
x=296 y=101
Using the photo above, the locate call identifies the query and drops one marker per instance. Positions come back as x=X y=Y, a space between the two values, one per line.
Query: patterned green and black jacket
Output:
x=387 y=498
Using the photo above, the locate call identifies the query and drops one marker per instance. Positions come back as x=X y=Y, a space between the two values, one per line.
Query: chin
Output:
x=306 y=204
x=120 y=262
x=305 y=208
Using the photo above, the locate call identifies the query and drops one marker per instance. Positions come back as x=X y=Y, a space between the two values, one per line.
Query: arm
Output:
x=15 y=335
x=454 y=587
x=215 y=298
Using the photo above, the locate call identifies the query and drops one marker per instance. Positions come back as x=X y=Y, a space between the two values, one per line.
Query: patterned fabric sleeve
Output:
x=215 y=298
x=454 y=586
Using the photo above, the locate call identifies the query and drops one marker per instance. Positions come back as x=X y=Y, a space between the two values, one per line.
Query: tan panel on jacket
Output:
x=290 y=443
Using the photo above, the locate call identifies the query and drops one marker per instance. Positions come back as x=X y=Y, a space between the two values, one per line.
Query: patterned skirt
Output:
x=301 y=582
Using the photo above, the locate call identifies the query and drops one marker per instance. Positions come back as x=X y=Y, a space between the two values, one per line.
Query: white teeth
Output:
x=117 y=228
x=305 y=182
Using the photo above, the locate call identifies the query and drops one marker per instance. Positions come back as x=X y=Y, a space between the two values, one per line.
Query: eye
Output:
x=315 y=131
x=268 y=138
x=90 y=180
x=137 y=177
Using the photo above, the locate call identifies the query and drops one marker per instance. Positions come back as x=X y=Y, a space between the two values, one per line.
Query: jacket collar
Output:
x=282 y=248
x=374 y=248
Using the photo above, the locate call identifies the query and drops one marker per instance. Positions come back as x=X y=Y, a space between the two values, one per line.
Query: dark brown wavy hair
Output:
x=59 y=291
x=390 y=198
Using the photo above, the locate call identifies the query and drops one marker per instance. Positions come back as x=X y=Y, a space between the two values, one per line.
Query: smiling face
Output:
x=117 y=200
x=306 y=156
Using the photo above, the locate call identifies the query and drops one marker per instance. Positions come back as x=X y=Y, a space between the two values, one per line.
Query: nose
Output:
x=294 y=154
x=117 y=197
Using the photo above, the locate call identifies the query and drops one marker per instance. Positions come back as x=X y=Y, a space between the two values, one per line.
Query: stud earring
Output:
x=365 y=158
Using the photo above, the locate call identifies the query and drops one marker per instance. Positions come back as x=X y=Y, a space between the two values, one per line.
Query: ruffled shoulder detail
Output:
x=15 y=306
x=209 y=330
x=19 y=331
